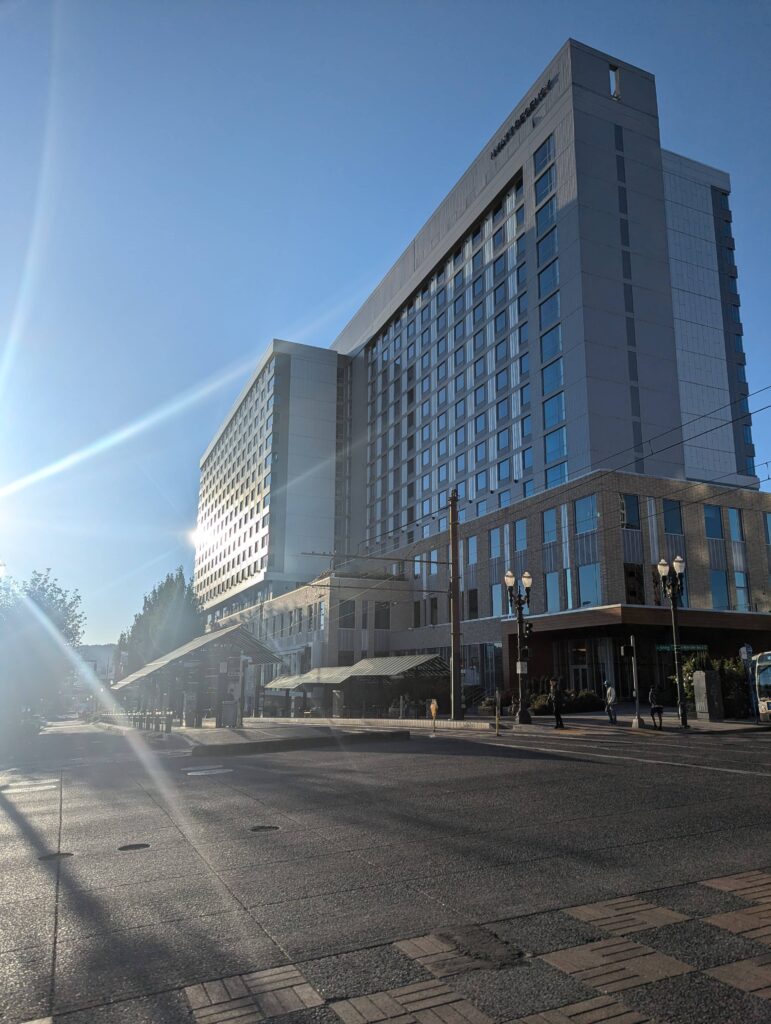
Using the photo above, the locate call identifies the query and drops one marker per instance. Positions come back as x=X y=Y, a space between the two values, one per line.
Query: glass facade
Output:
x=466 y=346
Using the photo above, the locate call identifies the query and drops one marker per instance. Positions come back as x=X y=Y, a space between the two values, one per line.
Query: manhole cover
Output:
x=264 y=828
x=54 y=856
x=135 y=846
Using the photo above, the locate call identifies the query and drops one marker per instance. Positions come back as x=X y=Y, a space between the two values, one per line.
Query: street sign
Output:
x=682 y=647
x=521 y=668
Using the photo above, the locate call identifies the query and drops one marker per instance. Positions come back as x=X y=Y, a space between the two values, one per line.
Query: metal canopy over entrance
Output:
x=418 y=666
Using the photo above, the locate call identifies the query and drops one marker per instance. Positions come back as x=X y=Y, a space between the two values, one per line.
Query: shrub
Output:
x=587 y=700
x=539 y=704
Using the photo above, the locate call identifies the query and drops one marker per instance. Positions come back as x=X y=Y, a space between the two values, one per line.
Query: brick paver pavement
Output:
x=602 y=1010
x=615 y=964
x=626 y=915
x=249 y=998
x=427 y=1002
x=748 y=885
x=752 y=923
x=748 y=975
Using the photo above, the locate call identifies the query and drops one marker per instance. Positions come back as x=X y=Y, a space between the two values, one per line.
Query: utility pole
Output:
x=456 y=683
x=630 y=651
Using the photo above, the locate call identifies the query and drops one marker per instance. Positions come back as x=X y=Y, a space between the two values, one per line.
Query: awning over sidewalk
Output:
x=316 y=677
x=236 y=637
x=423 y=666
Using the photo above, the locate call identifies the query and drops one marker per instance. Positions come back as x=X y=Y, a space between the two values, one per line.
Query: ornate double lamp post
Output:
x=672 y=584
x=518 y=600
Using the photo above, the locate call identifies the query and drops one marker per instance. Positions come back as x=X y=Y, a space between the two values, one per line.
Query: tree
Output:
x=170 y=617
x=40 y=623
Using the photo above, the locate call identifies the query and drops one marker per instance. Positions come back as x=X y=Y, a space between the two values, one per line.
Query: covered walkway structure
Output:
x=367 y=689
x=200 y=677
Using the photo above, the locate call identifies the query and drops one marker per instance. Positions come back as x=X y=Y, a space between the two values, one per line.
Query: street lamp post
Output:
x=517 y=601
x=672 y=585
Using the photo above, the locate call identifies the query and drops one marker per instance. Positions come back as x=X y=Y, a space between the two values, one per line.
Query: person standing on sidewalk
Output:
x=656 y=708
x=610 y=702
x=555 y=700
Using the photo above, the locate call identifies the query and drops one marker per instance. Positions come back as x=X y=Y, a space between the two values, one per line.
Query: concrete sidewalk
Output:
x=590 y=719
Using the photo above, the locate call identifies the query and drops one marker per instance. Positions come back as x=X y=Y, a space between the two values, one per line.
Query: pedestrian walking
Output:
x=610 y=702
x=656 y=708
x=555 y=701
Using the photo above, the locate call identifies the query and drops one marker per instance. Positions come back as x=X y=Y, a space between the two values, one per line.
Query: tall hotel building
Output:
x=562 y=343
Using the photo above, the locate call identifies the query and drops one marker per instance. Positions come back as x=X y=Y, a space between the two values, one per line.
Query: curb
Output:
x=300 y=743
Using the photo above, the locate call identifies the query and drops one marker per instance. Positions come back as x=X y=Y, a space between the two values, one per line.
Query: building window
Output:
x=552 y=376
x=471 y=551
x=546 y=217
x=718 y=582
x=630 y=512
x=548 y=279
x=585 y=510
x=496 y=600
x=742 y=584
x=549 y=522
x=556 y=475
x=673 y=519
x=555 y=444
x=527 y=459
x=589 y=585
x=494 y=542
x=526 y=425
x=767 y=525
x=347 y=615
x=552 y=591
x=416 y=614
x=547 y=247
x=382 y=615
x=713 y=524
x=472 y=598
x=549 y=311
x=528 y=489
x=520 y=535
x=735 y=526
x=554 y=410
x=544 y=185
x=524 y=395
x=551 y=343
x=544 y=155
x=615 y=81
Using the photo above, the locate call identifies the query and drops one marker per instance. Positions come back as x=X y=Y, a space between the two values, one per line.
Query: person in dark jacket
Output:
x=555 y=700
x=656 y=708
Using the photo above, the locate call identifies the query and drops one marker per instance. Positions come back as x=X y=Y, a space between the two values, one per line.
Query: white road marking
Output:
x=639 y=760
x=210 y=771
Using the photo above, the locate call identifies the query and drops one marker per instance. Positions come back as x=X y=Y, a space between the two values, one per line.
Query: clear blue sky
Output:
x=183 y=180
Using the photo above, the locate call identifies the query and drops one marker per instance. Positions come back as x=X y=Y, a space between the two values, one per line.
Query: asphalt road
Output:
x=490 y=852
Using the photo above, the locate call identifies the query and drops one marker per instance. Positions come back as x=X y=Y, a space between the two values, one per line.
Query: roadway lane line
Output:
x=639 y=760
